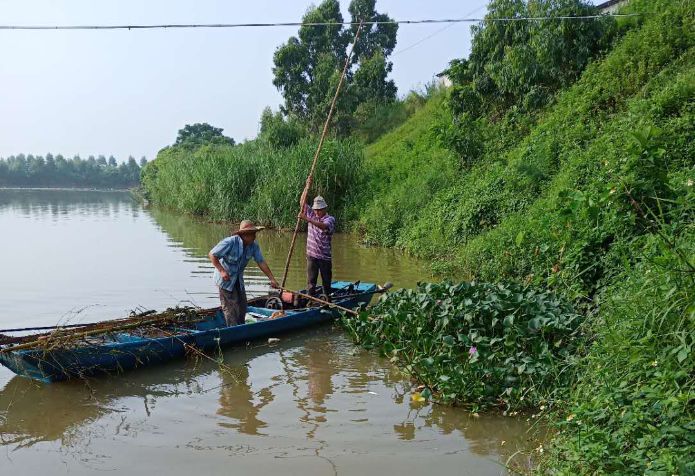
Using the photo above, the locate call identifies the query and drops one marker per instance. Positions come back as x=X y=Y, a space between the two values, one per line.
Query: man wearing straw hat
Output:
x=230 y=257
x=318 y=242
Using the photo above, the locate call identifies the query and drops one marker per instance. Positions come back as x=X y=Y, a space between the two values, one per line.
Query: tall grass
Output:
x=251 y=180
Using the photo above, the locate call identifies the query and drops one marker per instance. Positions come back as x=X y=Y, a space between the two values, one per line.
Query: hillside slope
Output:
x=592 y=197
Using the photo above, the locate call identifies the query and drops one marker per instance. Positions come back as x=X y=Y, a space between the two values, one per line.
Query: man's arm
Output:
x=266 y=270
x=216 y=263
x=313 y=221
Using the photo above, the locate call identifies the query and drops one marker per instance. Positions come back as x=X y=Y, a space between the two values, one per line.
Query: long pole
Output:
x=318 y=149
x=324 y=302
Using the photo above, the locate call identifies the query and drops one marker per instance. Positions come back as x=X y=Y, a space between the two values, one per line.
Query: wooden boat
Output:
x=123 y=350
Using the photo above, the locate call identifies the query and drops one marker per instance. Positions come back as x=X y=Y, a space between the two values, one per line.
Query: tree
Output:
x=278 y=131
x=195 y=135
x=307 y=68
x=143 y=161
x=524 y=62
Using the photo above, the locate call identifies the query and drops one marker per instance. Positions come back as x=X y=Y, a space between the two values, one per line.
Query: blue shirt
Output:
x=234 y=257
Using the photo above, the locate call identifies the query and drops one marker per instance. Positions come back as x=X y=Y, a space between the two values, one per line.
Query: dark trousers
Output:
x=313 y=267
x=233 y=305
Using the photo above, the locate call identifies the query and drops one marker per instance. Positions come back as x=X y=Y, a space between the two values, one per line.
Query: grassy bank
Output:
x=591 y=199
x=251 y=180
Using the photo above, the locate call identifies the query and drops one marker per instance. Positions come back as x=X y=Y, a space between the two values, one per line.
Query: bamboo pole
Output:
x=318 y=149
x=324 y=302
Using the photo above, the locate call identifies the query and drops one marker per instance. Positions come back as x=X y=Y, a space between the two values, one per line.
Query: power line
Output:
x=281 y=24
x=422 y=40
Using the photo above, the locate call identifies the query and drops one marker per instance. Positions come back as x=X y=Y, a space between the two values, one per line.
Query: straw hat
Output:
x=247 y=226
x=319 y=203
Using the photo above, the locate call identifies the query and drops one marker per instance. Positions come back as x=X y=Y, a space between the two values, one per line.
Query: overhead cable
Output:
x=309 y=24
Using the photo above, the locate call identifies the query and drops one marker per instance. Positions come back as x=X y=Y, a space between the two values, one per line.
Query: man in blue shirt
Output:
x=230 y=257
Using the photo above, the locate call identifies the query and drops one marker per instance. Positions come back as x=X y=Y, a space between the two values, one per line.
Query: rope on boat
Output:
x=318 y=150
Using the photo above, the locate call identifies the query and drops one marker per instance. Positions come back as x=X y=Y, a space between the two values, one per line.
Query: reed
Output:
x=251 y=180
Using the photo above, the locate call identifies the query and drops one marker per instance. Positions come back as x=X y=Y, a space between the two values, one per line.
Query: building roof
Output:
x=608 y=4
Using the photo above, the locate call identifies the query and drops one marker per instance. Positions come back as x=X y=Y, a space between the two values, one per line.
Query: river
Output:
x=311 y=404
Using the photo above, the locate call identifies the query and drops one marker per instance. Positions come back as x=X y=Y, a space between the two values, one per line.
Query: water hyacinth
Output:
x=476 y=343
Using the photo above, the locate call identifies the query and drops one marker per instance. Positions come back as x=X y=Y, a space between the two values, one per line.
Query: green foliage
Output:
x=516 y=67
x=524 y=62
x=632 y=412
x=57 y=171
x=475 y=343
x=465 y=135
x=402 y=162
x=195 y=135
x=278 y=131
x=373 y=119
x=590 y=196
x=253 y=180
x=307 y=68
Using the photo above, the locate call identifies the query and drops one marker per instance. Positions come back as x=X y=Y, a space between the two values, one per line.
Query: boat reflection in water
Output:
x=312 y=394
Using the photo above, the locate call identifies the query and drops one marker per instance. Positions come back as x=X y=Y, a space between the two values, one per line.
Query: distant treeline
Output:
x=57 y=171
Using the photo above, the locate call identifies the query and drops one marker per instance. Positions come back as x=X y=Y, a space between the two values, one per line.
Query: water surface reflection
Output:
x=312 y=404
x=312 y=394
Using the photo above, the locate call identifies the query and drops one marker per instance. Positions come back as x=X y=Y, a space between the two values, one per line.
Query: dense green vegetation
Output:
x=590 y=196
x=560 y=167
x=252 y=180
x=57 y=171
x=477 y=344
x=196 y=135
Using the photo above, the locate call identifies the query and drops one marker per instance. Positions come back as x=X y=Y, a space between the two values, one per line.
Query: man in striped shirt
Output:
x=318 y=243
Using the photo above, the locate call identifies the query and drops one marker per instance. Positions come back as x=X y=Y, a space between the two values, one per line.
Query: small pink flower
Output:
x=472 y=350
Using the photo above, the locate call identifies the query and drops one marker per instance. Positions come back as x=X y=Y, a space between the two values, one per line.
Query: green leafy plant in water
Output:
x=477 y=344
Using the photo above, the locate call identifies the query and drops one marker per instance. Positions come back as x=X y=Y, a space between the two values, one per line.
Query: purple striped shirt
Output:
x=318 y=242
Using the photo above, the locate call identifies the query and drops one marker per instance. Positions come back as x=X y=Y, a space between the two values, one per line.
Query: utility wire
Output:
x=280 y=24
x=422 y=40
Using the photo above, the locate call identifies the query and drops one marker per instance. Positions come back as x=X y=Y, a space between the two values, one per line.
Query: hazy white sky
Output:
x=128 y=92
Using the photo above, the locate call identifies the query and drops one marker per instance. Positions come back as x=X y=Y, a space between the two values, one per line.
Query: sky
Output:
x=127 y=93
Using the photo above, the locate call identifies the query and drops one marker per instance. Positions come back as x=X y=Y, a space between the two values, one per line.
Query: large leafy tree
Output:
x=517 y=66
x=195 y=135
x=307 y=68
x=524 y=62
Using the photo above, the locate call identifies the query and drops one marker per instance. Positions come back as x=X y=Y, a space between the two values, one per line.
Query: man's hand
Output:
x=303 y=216
x=225 y=275
x=274 y=284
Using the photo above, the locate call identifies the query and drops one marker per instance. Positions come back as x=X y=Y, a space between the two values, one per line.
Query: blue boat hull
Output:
x=129 y=351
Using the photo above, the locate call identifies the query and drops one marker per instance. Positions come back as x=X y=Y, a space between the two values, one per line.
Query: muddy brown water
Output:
x=311 y=404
